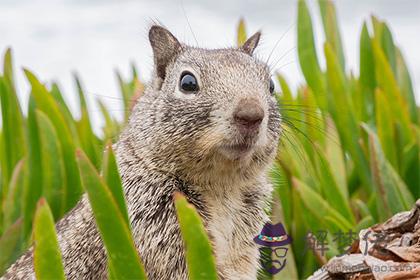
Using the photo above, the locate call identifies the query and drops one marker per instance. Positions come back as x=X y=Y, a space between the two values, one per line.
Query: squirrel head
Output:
x=207 y=114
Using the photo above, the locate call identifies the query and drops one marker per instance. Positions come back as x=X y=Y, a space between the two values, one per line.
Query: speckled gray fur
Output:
x=182 y=142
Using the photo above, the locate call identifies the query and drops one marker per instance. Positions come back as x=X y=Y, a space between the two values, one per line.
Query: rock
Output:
x=387 y=251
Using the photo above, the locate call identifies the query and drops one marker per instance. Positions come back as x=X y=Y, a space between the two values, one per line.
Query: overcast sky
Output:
x=94 y=37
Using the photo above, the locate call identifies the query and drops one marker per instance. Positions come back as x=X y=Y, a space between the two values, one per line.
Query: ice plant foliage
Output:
x=349 y=157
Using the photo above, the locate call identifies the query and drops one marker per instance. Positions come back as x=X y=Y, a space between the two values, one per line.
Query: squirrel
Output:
x=207 y=126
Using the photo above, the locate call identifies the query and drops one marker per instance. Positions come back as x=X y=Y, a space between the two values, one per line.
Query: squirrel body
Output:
x=208 y=127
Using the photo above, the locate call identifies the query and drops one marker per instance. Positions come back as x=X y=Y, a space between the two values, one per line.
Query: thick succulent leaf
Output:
x=45 y=102
x=335 y=157
x=286 y=93
x=64 y=109
x=307 y=54
x=13 y=124
x=332 y=33
x=54 y=188
x=122 y=254
x=392 y=194
x=282 y=189
x=293 y=157
x=47 y=255
x=367 y=78
x=362 y=208
x=290 y=270
x=201 y=263
x=330 y=189
x=86 y=135
x=406 y=87
x=410 y=167
x=10 y=245
x=12 y=206
x=241 y=33
x=385 y=127
x=367 y=66
x=388 y=47
x=127 y=91
x=364 y=223
x=387 y=82
x=33 y=186
x=111 y=127
x=312 y=121
x=112 y=179
x=319 y=207
x=342 y=113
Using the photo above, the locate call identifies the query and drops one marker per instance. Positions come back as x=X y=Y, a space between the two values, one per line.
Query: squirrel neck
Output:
x=217 y=178
x=208 y=173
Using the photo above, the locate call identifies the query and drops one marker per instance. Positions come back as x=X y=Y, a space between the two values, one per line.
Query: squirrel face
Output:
x=208 y=109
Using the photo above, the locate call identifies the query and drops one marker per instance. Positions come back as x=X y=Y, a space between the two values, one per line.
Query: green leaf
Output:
x=392 y=193
x=33 y=186
x=13 y=125
x=389 y=48
x=1 y=184
x=47 y=256
x=86 y=135
x=343 y=115
x=332 y=33
x=46 y=103
x=364 y=223
x=337 y=197
x=122 y=254
x=289 y=271
x=10 y=246
x=112 y=179
x=134 y=70
x=286 y=93
x=385 y=127
x=299 y=231
x=241 y=33
x=307 y=55
x=53 y=166
x=58 y=96
x=64 y=109
x=111 y=127
x=362 y=207
x=377 y=26
x=318 y=206
x=406 y=86
x=367 y=78
x=293 y=157
x=12 y=206
x=201 y=263
x=387 y=82
x=127 y=92
x=282 y=190
x=410 y=166
x=312 y=121
x=357 y=99
x=335 y=157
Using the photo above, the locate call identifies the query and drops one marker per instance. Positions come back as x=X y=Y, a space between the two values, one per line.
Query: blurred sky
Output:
x=55 y=38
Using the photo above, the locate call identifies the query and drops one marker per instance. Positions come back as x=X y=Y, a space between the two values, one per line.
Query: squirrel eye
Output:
x=271 y=86
x=188 y=83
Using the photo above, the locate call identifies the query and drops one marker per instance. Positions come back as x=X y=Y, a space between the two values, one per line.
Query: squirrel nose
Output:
x=249 y=114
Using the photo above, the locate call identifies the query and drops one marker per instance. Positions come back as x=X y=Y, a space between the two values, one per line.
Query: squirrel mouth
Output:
x=242 y=147
x=238 y=147
x=236 y=151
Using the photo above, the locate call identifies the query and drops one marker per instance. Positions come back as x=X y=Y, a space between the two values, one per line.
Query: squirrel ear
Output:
x=250 y=44
x=165 y=46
